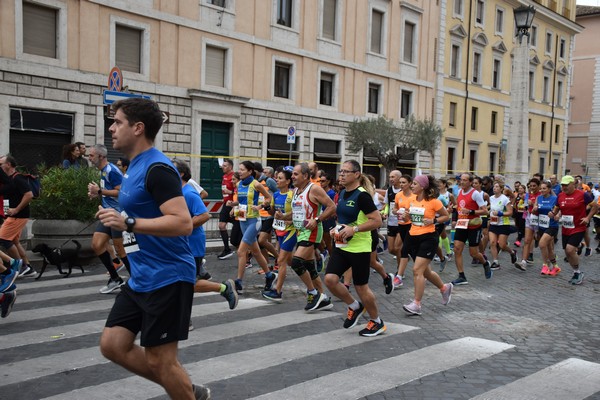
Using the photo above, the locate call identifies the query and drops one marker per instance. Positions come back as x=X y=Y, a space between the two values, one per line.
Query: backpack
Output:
x=34 y=184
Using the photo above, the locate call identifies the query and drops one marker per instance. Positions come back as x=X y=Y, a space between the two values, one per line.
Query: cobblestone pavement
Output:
x=530 y=325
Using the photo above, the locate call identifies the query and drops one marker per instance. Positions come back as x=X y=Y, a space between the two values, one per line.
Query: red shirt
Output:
x=227 y=183
x=466 y=203
x=573 y=209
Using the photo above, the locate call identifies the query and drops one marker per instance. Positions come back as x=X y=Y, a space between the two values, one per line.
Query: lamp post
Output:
x=517 y=157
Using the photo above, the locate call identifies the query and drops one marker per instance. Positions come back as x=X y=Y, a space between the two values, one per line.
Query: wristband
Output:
x=435 y=221
x=500 y=213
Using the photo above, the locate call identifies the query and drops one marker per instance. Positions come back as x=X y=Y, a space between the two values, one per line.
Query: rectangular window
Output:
x=474 y=111
x=282 y=80
x=557 y=136
x=327 y=154
x=455 y=65
x=542 y=165
x=533 y=36
x=215 y=66
x=492 y=163
x=546 y=89
x=543 y=132
x=452 y=115
x=555 y=167
x=39 y=30
x=458 y=7
x=326 y=89
x=373 y=106
x=531 y=85
x=496 y=74
x=562 y=48
x=450 y=160
x=409 y=37
x=406 y=104
x=529 y=129
x=218 y=3
x=277 y=148
x=559 y=94
x=480 y=12
x=376 y=31
x=128 y=48
x=284 y=13
x=476 y=67
x=329 y=10
x=472 y=160
x=494 y=122
x=499 y=20
x=548 y=42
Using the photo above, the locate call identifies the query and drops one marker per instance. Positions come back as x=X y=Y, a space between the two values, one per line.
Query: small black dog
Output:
x=57 y=256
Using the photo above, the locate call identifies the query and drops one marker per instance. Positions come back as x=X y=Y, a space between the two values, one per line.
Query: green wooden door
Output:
x=215 y=144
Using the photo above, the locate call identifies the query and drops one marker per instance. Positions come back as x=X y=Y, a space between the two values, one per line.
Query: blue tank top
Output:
x=156 y=261
x=196 y=207
x=111 y=177
x=545 y=205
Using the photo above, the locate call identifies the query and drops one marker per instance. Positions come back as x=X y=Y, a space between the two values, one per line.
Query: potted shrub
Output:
x=63 y=209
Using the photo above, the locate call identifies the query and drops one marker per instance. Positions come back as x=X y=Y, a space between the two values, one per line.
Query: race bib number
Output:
x=534 y=220
x=279 y=225
x=544 y=221
x=242 y=212
x=494 y=220
x=130 y=243
x=393 y=216
x=567 y=221
x=462 y=224
x=416 y=215
x=298 y=218
x=223 y=189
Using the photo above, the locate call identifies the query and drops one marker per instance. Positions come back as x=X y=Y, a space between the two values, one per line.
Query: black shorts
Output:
x=162 y=316
x=267 y=225
x=225 y=214
x=549 y=231
x=423 y=246
x=473 y=236
x=499 y=230
x=454 y=215
x=307 y=243
x=484 y=222
x=392 y=230
x=403 y=231
x=574 y=239
x=113 y=233
x=439 y=228
x=341 y=260
x=374 y=240
x=328 y=225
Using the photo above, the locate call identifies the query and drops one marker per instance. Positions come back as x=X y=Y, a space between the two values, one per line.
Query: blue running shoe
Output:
x=7 y=280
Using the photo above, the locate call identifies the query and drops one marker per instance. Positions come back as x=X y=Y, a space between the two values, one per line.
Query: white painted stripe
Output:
x=232 y=365
x=25 y=297
x=569 y=379
x=74 y=279
x=59 y=311
x=358 y=382
x=61 y=332
x=81 y=358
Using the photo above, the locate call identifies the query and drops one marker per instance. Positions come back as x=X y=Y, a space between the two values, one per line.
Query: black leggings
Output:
x=520 y=224
x=236 y=234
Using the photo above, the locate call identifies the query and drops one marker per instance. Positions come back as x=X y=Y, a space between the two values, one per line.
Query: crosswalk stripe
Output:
x=72 y=280
x=59 y=311
x=61 y=332
x=81 y=358
x=569 y=379
x=378 y=376
x=232 y=365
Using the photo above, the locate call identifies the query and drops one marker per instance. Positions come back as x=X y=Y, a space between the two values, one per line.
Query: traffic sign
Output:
x=115 y=79
x=291 y=135
x=166 y=116
x=110 y=96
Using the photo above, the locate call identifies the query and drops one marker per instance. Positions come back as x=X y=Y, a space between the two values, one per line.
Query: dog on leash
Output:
x=57 y=256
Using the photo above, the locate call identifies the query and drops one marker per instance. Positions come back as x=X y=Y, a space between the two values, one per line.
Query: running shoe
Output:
x=238 y=286
x=443 y=264
x=447 y=293
x=577 y=278
x=487 y=269
x=566 y=259
x=270 y=280
x=313 y=301
x=225 y=254
x=273 y=296
x=6 y=280
x=412 y=308
x=388 y=283
x=325 y=304
x=513 y=257
x=554 y=271
x=530 y=259
x=27 y=272
x=579 y=249
x=230 y=293
x=460 y=281
x=8 y=302
x=545 y=270
x=118 y=264
x=495 y=266
x=191 y=326
x=249 y=265
x=475 y=262
x=111 y=286
x=320 y=263
x=397 y=282
x=201 y=392
x=352 y=316
x=16 y=264
x=204 y=277
x=373 y=328
x=450 y=255
x=25 y=268
x=436 y=258
x=522 y=265
x=517 y=243
x=588 y=251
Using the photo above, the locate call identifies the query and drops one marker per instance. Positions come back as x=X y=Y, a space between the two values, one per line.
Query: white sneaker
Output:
x=111 y=286
x=436 y=258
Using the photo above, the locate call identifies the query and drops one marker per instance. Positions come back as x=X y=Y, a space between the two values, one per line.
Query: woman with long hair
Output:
x=519 y=208
x=500 y=210
x=531 y=223
x=548 y=228
x=248 y=191
x=70 y=156
x=402 y=202
x=422 y=239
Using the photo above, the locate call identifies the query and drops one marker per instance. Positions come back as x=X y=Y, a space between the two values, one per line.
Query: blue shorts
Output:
x=250 y=229
x=287 y=242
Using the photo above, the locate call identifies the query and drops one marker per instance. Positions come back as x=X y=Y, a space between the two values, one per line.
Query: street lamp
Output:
x=517 y=138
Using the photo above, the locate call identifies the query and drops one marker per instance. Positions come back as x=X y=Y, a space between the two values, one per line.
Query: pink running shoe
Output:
x=545 y=270
x=554 y=271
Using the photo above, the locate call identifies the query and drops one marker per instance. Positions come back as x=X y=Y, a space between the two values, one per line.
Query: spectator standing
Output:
x=82 y=160
x=70 y=156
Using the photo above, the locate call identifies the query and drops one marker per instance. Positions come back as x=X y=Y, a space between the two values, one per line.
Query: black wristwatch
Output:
x=130 y=222
x=472 y=212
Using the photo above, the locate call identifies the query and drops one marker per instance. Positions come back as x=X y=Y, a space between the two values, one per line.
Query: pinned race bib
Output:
x=416 y=215
x=567 y=221
x=544 y=221
x=298 y=218
x=462 y=224
x=279 y=225
x=242 y=212
x=534 y=220
x=494 y=220
x=130 y=243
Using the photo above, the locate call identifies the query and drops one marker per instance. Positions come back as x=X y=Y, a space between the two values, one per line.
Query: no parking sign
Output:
x=291 y=135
